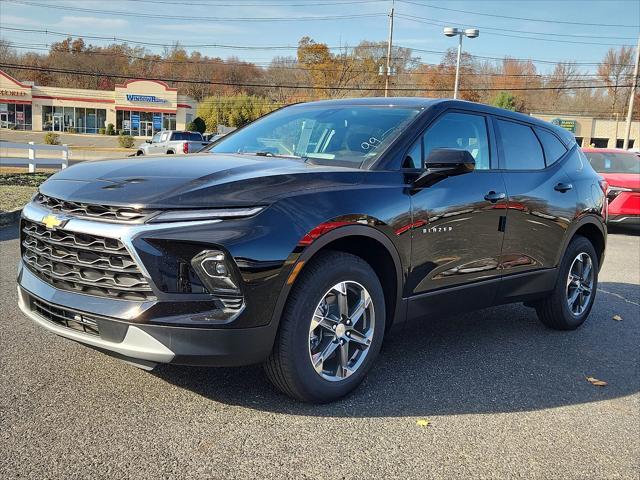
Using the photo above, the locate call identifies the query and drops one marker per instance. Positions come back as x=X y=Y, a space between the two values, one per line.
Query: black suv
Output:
x=300 y=239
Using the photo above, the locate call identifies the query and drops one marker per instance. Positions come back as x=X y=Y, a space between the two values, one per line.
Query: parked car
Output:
x=621 y=170
x=299 y=240
x=172 y=142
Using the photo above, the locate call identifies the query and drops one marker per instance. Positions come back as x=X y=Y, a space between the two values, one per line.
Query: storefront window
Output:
x=144 y=124
x=169 y=121
x=15 y=116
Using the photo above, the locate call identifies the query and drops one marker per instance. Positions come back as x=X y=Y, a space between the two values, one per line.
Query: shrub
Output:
x=197 y=125
x=111 y=130
x=102 y=131
x=125 y=141
x=52 y=138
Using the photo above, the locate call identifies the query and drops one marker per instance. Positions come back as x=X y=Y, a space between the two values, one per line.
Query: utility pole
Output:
x=625 y=145
x=390 y=41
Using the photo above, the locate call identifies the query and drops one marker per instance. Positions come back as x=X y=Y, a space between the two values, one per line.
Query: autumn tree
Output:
x=615 y=71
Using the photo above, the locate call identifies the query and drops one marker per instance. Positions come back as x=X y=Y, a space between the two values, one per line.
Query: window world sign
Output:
x=566 y=124
x=145 y=98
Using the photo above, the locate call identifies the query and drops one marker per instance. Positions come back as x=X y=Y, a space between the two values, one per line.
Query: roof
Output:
x=379 y=101
x=423 y=102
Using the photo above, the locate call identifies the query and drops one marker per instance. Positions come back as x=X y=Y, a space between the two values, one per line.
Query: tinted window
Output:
x=522 y=150
x=553 y=148
x=414 y=156
x=610 y=162
x=460 y=131
x=193 y=137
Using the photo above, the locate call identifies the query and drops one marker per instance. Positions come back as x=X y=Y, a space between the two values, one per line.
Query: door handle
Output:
x=563 y=187
x=493 y=197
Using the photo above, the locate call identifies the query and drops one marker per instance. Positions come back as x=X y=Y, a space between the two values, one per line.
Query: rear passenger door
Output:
x=541 y=198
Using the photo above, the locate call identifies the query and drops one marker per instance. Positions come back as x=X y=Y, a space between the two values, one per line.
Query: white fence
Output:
x=32 y=160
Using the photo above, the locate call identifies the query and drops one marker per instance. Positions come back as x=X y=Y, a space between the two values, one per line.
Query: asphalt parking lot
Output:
x=504 y=398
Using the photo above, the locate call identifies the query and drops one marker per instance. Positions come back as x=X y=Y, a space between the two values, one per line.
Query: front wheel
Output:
x=331 y=330
x=570 y=302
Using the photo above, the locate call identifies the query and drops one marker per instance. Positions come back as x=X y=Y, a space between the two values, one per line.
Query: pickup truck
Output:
x=172 y=142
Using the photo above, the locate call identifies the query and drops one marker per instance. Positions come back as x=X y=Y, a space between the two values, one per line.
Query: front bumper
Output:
x=191 y=329
x=146 y=345
x=624 y=219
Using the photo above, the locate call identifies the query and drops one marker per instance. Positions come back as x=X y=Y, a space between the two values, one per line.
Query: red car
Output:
x=621 y=171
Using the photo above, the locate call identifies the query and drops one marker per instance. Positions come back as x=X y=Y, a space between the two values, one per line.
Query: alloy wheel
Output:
x=580 y=283
x=341 y=331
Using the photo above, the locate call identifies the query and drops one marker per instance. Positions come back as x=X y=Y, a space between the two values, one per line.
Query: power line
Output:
x=413 y=18
x=543 y=20
x=212 y=62
x=280 y=47
x=199 y=17
x=297 y=86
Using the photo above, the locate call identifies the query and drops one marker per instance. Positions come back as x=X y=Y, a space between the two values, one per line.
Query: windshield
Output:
x=351 y=134
x=614 y=162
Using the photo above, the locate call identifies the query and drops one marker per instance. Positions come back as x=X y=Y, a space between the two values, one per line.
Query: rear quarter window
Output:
x=554 y=149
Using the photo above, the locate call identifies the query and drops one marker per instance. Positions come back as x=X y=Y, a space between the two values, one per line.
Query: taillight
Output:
x=185 y=147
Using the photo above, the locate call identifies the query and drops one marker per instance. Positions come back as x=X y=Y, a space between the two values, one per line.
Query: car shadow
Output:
x=500 y=359
x=9 y=232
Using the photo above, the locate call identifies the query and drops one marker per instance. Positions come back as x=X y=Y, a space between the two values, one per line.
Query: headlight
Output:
x=208 y=214
x=613 y=192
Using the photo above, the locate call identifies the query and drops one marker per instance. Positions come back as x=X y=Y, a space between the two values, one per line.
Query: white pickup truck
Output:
x=172 y=142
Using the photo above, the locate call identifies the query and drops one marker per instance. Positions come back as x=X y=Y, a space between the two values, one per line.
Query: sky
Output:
x=590 y=27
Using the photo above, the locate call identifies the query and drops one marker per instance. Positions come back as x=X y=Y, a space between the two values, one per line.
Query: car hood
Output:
x=626 y=180
x=193 y=181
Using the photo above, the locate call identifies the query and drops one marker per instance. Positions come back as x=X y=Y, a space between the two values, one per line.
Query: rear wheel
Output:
x=571 y=300
x=331 y=330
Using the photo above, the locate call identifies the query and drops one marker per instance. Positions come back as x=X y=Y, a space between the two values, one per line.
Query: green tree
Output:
x=505 y=100
x=197 y=125
x=233 y=111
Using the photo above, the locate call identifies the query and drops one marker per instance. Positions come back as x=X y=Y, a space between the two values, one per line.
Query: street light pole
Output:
x=387 y=74
x=455 y=87
x=627 y=132
x=469 y=33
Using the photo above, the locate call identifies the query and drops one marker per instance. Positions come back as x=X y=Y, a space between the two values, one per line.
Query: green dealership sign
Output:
x=566 y=124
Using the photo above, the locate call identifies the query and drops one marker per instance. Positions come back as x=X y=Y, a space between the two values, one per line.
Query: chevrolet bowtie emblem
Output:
x=52 y=221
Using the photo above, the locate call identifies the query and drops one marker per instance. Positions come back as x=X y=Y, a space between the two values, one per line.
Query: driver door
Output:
x=457 y=241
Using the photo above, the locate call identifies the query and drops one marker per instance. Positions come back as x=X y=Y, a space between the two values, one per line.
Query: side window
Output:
x=156 y=138
x=463 y=131
x=522 y=150
x=164 y=137
x=414 y=156
x=553 y=148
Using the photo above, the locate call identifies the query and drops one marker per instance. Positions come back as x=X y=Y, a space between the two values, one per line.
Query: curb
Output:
x=7 y=218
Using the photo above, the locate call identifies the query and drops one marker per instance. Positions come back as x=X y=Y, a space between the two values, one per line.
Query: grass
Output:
x=16 y=189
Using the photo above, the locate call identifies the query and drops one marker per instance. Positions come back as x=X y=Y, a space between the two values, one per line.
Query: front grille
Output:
x=83 y=263
x=64 y=317
x=99 y=212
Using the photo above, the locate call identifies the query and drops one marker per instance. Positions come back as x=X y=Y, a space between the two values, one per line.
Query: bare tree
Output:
x=615 y=71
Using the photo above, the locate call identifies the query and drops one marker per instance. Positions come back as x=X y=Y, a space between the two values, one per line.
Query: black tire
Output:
x=289 y=367
x=554 y=310
x=170 y=152
x=139 y=153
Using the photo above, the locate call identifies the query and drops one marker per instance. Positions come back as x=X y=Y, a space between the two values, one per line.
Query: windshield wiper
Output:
x=271 y=154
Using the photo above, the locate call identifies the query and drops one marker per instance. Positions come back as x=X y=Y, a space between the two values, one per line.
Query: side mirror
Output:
x=445 y=162
x=149 y=141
